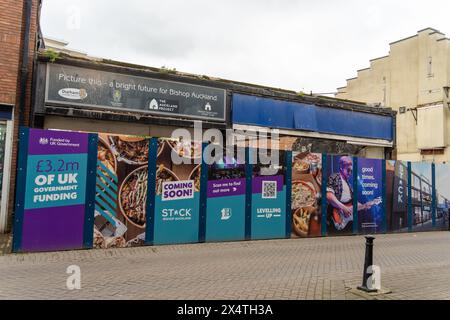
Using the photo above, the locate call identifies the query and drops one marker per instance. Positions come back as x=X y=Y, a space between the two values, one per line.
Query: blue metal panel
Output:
x=203 y=197
x=248 y=193
x=288 y=193
x=20 y=189
x=151 y=191
x=384 y=195
x=324 y=195
x=355 y=197
x=410 y=215
x=90 y=192
x=433 y=197
x=280 y=114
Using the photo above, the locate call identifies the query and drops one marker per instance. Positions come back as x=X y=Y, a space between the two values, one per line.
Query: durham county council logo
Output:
x=43 y=141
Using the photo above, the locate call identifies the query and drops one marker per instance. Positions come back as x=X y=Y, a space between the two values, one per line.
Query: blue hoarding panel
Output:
x=252 y=110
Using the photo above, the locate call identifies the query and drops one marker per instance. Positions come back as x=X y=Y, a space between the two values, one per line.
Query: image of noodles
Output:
x=134 y=151
x=195 y=175
x=133 y=196
x=99 y=240
x=117 y=242
x=303 y=195
x=188 y=149
x=163 y=175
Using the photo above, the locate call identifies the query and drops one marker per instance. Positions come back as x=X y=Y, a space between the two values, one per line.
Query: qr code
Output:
x=269 y=190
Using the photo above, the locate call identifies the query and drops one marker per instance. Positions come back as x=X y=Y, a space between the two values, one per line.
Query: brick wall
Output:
x=11 y=38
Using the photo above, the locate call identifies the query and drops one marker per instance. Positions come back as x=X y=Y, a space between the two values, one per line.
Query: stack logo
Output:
x=153 y=105
x=226 y=214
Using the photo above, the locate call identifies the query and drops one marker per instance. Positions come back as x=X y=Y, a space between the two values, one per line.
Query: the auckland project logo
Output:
x=208 y=107
x=43 y=141
x=73 y=94
x=153 y=105
x=226 y=214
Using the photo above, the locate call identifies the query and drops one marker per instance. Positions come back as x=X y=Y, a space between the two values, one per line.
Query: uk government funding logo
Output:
x=43 y=141
x=226 y=214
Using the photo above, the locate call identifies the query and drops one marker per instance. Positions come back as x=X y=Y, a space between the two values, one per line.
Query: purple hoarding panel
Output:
x=48 y=229
x=226 y=187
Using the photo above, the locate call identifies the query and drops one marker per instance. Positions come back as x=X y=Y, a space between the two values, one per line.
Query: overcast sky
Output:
x=292 y=44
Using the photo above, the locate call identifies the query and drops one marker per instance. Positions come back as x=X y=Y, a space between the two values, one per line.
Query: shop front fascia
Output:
x=314 y=128
x=82 y=95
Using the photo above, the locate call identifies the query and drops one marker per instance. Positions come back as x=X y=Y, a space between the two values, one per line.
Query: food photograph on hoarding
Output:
x=306 y=194
x=121 y=191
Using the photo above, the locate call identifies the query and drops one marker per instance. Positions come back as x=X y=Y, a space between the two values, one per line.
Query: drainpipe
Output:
x=24 y=61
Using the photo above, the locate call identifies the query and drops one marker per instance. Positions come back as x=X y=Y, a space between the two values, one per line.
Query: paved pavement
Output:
x=414 y=266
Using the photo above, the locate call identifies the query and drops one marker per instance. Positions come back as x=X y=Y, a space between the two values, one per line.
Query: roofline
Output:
x=429 y=28
x=363 y=69
x=350 y=79
x=442 y=39
x=56 y=40
x=229 y=85
x=379 y=58
x=436 y=32
x=416 y=35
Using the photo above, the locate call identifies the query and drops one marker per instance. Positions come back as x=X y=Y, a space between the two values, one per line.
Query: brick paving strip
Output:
x=413 y=266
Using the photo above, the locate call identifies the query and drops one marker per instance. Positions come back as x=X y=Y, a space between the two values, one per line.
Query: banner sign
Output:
x=83 y=87
x=55 y=190
x=268 y=206
x=396 y=196
x=370 y=198
x=442 y=189
x=177 y=200
x=177 y=190
x=421 y=187
x=225 y=217
x=339 y=179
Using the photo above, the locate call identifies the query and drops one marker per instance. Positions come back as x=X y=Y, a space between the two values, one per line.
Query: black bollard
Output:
x=368 y=261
